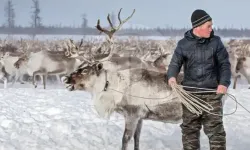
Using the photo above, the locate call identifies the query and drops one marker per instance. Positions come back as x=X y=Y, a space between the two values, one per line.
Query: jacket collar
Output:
x=189 y=35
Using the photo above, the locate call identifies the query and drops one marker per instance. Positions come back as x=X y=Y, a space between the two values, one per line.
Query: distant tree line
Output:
x=36 y=27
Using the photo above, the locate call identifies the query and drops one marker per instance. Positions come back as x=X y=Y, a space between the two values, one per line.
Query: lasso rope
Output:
x=193 y=103
x=190 y=101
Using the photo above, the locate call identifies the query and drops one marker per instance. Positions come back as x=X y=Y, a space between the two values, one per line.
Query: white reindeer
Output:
x=8 y=59
x=233 y=61
x=50 y=63
x=130 y=92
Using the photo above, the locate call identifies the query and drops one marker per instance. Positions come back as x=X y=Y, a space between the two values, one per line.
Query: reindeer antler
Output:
x=71 y=49
x=113 y=29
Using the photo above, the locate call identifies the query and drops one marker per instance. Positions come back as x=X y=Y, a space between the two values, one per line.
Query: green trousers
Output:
x=212 y=125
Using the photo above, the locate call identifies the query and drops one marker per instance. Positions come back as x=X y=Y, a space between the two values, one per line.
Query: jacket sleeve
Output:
x=175 y=63
x=223 y=64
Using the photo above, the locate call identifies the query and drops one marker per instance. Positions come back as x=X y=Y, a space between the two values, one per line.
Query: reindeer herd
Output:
x=123 y=76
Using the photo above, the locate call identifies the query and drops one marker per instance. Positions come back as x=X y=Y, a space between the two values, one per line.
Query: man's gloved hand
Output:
x=172 y=81
x=221 y=89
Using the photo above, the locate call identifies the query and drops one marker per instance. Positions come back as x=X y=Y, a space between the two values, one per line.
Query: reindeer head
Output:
x=240 y=63
x=163 y=61
x=83 y=76
x=3 y=56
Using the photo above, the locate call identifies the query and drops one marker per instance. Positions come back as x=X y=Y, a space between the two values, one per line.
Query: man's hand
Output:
x=221 y=89
x=172 y=81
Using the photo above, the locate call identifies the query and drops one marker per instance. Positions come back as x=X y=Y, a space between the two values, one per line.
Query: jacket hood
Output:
x=191 y=37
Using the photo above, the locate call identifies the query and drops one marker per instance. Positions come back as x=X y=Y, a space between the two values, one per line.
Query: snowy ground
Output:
x=56 y=119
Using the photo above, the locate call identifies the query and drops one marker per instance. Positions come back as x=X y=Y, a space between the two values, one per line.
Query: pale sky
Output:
x=149 y=13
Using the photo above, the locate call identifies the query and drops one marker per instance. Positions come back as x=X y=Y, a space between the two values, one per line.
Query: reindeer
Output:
x=51 y=63
x=127 y=92
x=233 y=61
x=243 y=67
x=8 y=59
x=130 y=92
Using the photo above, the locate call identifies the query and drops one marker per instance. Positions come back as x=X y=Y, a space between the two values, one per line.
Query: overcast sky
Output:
x=149 y=13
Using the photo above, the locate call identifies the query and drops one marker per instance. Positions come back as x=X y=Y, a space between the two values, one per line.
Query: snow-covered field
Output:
x=57 y=119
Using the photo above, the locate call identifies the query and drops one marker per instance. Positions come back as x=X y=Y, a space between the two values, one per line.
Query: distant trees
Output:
x=35 y=17
x=84 y=21
x=36 y=26
x=9 y=14
x=36 y=20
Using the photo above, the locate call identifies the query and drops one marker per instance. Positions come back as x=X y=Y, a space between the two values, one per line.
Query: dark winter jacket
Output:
x=205 y=61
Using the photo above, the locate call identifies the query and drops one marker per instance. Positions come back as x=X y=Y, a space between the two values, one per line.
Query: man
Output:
x=206 y=65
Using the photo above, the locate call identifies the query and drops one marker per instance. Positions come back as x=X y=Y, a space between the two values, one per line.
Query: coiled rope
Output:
x=193 y=103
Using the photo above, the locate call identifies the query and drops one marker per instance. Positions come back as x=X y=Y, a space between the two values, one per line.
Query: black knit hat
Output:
x=199 y=17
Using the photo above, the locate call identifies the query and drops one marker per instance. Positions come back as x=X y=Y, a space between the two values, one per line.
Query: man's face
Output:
x=205 y=29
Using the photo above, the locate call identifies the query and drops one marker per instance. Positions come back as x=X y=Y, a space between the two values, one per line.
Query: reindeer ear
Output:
x=99 y=66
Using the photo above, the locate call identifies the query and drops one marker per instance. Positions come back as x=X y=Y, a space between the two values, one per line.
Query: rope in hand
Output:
x=195 y=104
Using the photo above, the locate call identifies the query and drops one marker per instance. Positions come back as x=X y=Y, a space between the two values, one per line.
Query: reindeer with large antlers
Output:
x=130 y=92
x=120 y=63
x=51 y=63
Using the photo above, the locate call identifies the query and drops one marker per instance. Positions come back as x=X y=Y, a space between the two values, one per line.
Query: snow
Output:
x=55 y=118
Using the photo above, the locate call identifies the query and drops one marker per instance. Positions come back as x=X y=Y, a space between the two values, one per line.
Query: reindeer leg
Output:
x=137 y=135
x=58 y=78
x=131 y=123
x=45 y=80
x=16 y=77
x=41 y=79
x=248 y=80
x=9 y=78
x=35 y=73
x=235 y=81
x=5 y=82
x=21 y=79
x=33 y=80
